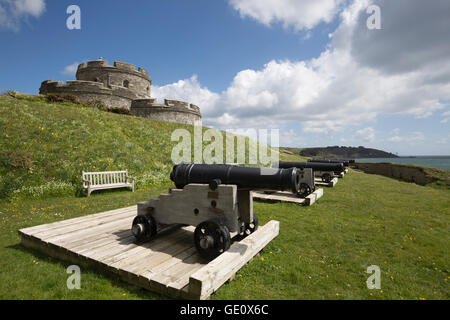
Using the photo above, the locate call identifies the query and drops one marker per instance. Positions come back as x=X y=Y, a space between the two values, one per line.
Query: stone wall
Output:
x=171 y=110
x=409 y=173
x=121 y=75
x=89 y=90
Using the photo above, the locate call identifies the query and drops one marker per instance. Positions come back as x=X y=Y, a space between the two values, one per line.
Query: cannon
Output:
x=324 y=170
x=214 y=198
x=346 y=163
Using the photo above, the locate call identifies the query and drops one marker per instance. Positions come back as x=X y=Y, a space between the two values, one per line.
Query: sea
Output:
x=441 y=162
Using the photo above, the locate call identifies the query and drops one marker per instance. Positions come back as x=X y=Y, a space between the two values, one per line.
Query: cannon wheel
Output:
x=211 y=238
x=249 y=228
x=326 y=177
x=303 y=190
x=143 y=227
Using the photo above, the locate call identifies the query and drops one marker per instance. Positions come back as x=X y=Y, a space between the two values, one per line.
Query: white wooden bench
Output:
x=106 y=180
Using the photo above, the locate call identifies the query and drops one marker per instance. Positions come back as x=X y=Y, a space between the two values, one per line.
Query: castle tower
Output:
x=121 y=75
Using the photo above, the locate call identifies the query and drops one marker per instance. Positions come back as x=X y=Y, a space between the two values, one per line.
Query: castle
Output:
x=123 y=86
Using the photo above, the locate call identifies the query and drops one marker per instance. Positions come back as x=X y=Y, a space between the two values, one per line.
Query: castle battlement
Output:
x=170 y=110
x=118 y=65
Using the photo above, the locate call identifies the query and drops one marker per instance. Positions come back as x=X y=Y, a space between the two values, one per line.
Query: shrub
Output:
x=62 y=97
x=11 y=93
x=119 y=110
x=16 y=159
x=97 y=104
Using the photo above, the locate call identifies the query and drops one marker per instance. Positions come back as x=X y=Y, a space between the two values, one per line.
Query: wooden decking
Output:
x=168 y=264
x=283 y=196
x=330 y=184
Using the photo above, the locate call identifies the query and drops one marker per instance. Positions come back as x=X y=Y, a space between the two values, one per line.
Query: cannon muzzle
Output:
x=316 y=166
x=343 y=161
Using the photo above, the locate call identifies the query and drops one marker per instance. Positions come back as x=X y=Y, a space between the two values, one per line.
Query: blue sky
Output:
x=303 y=67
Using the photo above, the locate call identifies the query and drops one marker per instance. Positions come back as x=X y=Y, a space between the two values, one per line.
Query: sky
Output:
x=316 y=70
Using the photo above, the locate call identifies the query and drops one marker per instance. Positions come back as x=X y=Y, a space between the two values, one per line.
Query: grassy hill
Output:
x=322 y=251
x=345 y=152
x=44 y=147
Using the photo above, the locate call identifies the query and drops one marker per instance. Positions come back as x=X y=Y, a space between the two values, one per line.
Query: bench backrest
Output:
x=106 y=177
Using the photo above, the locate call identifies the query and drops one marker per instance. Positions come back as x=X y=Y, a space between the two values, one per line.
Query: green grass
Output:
x=322 y=251
x=45 y=146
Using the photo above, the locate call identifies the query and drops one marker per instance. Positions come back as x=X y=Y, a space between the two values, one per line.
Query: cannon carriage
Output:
x=214 y=198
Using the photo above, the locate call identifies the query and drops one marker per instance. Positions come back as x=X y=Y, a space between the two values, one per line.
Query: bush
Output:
x=62 y=97
x=16 y=159
x=119 y=110
x=97 y=104
x=11 y=93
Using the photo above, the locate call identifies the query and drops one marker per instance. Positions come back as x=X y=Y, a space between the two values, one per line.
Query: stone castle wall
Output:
x=171 y=110
x=89 y=90
x=125 y=86
x=121 y=75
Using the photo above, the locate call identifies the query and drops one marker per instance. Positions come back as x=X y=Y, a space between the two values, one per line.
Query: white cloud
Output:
x=300 y=15
x=71 y=69
x=191 y=91
x=345 y=86
x=415 y=136
x=446 y=116
x=396 y=131
x=366 y=134
x=12 y=12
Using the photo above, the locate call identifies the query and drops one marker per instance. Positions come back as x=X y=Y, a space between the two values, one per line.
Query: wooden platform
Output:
x=288 y=197
x=168 y=264
x=330 y=184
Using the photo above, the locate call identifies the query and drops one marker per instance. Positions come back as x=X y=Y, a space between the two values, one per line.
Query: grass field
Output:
x=322 y=251
x=45 y=146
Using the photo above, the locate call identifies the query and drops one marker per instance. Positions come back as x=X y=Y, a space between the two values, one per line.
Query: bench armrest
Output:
x=86 y=181
x=130 y=178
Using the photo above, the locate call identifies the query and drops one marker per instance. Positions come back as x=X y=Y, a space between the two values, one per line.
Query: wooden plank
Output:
x=278 y=197
x=83 y=224
x=313 y=197
x=208 y=279
x=107 y=227
x=142 y=250
x=330 y=184
x=158 y=257
x=57 y=224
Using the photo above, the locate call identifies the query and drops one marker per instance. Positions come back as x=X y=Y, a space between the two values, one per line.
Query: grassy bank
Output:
x=45 y=146
x=322 y=251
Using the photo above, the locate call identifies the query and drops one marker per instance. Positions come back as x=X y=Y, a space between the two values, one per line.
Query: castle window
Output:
x=126 y=83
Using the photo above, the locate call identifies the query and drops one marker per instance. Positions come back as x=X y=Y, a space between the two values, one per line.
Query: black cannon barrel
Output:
x=317 y=166
x=345 y=162
x=244 y=177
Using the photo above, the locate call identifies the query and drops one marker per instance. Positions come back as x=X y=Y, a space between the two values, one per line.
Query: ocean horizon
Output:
x=440 y=162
